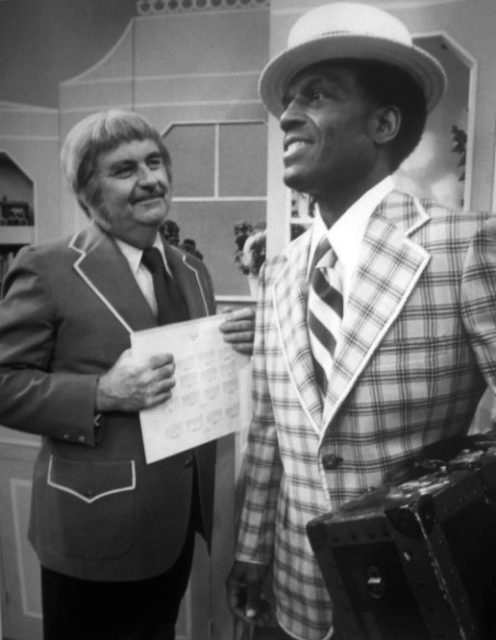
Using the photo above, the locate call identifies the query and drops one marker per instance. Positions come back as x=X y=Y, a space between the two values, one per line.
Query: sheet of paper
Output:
x=210 y=398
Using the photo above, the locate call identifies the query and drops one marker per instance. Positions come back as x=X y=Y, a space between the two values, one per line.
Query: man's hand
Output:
x=133 y=384
x=244 y=591
x=239 y=329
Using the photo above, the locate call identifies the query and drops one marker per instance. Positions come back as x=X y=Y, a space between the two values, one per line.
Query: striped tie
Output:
x=325 y=310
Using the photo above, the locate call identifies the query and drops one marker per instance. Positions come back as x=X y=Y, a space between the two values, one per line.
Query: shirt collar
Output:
x=133 y=255
x=347 y=233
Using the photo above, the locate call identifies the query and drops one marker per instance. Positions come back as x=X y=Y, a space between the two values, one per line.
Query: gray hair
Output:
x=100 y=133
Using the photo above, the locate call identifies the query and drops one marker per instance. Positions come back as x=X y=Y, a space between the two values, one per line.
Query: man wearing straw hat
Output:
x=376 y=328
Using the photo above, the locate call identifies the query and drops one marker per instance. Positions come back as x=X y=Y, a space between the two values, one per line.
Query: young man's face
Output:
x=135 y=190
x=328 y=143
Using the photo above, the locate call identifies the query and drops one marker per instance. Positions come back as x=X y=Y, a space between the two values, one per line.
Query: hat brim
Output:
x=423 y=67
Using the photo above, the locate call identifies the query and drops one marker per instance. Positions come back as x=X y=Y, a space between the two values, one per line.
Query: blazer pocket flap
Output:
x=91 y=481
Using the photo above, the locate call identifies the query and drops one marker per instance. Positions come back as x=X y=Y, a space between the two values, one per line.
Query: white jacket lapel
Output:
x=388 y=271
x=105 y=270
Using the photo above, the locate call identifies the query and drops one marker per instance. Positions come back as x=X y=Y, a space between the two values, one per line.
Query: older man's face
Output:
x=135 y=191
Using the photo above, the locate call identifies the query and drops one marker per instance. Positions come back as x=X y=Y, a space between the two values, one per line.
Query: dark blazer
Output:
x=98 y=510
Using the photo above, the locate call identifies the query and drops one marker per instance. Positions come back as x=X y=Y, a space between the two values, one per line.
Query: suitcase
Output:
x=416 y=559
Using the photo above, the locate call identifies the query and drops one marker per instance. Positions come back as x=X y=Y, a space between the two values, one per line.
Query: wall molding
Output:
x=387 y=5
x=161 y=7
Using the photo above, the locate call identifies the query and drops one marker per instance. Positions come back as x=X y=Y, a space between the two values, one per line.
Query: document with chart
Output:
x=211 y=396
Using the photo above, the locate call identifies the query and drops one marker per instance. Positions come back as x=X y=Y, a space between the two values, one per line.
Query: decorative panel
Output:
x=243 y=159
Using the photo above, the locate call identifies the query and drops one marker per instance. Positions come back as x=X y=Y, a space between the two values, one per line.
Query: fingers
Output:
x=253 y=608
x=157 y=379
x=158 y=360
x=238 y=321
x=236 y=598
x=239 y=330
x=246 y=348
x=244 y=592
x=239 y=337
x=134 y=383
x=158 y=391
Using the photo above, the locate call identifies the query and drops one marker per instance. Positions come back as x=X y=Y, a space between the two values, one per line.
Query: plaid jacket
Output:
x=416 y=349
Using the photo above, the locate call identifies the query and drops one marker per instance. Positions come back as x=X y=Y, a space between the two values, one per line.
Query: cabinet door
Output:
x=19 y=567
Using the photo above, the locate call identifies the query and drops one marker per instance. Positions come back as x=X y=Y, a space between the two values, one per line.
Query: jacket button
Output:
x=81 y=439
x=331 y=461
x=188 y=461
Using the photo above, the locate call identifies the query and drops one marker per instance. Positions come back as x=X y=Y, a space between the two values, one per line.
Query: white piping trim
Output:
x=92 y=287
x=424 y=217
x=199 y=283
x=61 y=487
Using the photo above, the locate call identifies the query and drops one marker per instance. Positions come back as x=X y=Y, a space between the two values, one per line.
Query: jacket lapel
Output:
x=189 y=281
x=106 y=271
x=290 y=304
x=389 y=269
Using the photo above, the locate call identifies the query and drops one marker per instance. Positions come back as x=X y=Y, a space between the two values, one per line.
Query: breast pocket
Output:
x=90 y=507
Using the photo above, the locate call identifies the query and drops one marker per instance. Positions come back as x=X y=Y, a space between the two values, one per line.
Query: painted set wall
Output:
x=175 y=68
x=188 y=69
x=45 y=42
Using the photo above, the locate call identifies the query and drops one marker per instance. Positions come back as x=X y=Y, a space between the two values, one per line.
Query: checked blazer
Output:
x=417 y=347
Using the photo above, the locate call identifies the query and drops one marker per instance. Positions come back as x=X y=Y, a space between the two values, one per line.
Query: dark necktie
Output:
x=170 y=305
x=325 y=310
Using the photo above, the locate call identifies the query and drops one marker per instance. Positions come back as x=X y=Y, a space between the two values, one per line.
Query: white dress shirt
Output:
x=346 y=235
x=143 y=277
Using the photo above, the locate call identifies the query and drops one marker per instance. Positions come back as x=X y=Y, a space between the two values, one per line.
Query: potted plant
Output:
x=250 y=250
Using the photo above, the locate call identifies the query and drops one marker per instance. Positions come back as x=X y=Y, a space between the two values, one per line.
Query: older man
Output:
x=376 y=329
x=114 y=535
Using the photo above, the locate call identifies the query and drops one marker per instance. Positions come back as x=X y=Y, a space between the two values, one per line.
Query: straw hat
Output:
x=349 y=30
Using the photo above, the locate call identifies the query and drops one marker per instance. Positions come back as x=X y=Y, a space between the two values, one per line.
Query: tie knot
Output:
x=324 y=255
x=152 y=260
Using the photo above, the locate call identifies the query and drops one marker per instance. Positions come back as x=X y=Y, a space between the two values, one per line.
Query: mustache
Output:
x=158 y=191
x=150 y=195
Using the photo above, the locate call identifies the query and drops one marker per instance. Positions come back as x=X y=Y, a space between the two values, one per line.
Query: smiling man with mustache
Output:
x=114 y=535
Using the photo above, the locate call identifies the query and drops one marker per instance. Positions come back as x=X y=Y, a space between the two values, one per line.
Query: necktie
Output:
x=325 y=310
x=170 y=305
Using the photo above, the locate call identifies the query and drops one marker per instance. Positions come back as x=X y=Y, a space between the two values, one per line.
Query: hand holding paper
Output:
x=238 y=329
x=206 y=402
x=136 y=382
